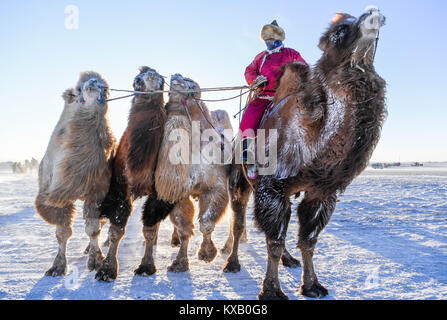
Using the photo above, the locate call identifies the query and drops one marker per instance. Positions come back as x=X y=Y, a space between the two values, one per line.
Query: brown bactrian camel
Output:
x=328 y=122
x=134 y=163
x=222 y=123
x=189 y=165
x=77 y=165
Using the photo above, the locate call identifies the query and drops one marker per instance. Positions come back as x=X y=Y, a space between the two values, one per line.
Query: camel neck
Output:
x=141 y=101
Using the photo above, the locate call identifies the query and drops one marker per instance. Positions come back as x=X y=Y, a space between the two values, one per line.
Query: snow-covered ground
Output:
x=386 y=240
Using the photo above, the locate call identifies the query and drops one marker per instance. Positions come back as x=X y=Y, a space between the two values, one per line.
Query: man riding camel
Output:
x=262 y=73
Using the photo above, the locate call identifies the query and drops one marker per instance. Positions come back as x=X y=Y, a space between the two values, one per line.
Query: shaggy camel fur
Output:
x=327 y=130
x=134 y=164
x=222 y=123
x=77 y=165
x=185 y=169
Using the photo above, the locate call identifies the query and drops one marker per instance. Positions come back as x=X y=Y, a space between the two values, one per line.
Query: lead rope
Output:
x=118 y=98
x=377 y=43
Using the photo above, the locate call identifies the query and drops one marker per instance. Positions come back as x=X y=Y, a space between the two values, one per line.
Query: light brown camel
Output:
x=77 y=165
x=221 y=122
x=188 y=166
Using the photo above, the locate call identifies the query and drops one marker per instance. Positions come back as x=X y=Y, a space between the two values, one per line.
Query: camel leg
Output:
x=147 y=265
x=63 y=219
x=156 y=234
x=272 y=215
x=244 y=238
x=289 y=261
x=226 y=249
x=271 y=288
x=154 y=212
x=63 y=233
x=182 y=217
x=105 y=244
x=229 y=243
x=175 y=240
x=313 y=216
x=212 y=205
x=238 y=186
x=239 y=194
x=93 y=225
x=109 y=269
x=117 y=206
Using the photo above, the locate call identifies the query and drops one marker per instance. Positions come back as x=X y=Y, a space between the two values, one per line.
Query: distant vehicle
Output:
x=417 y=164
x=382 y=165
x=393 y=164
x=377 y=165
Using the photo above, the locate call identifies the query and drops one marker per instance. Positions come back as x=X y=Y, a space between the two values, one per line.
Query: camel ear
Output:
x=69 y=95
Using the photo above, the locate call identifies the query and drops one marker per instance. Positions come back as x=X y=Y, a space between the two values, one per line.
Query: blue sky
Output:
x=211 y=42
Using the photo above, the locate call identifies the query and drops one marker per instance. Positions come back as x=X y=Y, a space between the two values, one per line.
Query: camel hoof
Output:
x=232 y=265
x=208 y=252
x=56 y=271
x=95 y=261
x=179 y=266
x=290 y=262
x=272 y=295
x=314 y=291
x=145 y=270
x=106 y=273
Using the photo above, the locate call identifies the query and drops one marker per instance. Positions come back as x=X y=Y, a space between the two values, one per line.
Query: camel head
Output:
x=352 y=39
x=92 y=89
x=183 y=88
x=148 y=79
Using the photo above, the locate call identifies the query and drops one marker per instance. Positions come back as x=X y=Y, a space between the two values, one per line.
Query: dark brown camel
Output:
x=134 y=163
x=327 y=130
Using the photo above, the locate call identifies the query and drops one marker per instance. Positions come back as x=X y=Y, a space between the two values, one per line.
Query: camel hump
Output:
x=301 y=69
x=294 y=78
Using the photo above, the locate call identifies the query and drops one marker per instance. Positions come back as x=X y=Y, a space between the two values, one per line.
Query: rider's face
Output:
x=269 y=42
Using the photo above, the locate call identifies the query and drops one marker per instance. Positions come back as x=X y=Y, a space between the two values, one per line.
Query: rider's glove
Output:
x=260 y=81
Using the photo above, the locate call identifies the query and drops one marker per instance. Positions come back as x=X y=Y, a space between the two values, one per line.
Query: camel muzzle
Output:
x=372 y=20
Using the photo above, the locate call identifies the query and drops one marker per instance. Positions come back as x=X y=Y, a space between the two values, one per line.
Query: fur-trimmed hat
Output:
x=272 y=31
